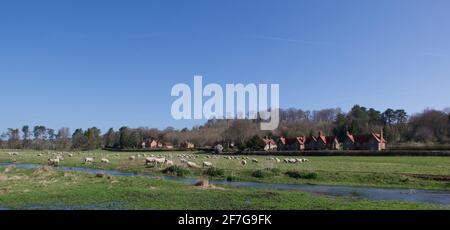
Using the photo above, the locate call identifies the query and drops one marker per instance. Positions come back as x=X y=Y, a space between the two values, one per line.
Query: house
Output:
x=187 y=145
x=373 y=141
x=327 y=142
x=295 y=143
x=270 y=144
x=310 y=143
x=154 y=144
x=302 y=142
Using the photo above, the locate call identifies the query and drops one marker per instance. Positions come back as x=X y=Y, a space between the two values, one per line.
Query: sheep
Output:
x=277 y=160
x=207 y=164
x=70 y=155
x=244 y=162
x=154 y=160
x=305 y=160
x=169 y=162
x=192 y=165
x=61 y=158
x=104 y=161
x=39 y=155
x=292 y=161
x=54 y=162
x=88 y=160
x=132 y=158
x=254 y=160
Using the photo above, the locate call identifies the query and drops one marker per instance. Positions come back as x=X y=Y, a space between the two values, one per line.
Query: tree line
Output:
x=429 y=126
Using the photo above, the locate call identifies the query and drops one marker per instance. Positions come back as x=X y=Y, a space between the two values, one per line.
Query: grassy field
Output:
x=44 y=188
x=401 y=172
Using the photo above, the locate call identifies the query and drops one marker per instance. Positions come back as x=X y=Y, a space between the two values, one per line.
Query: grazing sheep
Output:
x=207 y=164
x=54 y=162
x=277 y=160
x=169 y=162
x=244 y=162
x=104 y=161
x=88 y=160
x=61 y=158
x=154 y=160
x=70 y=155
x=39 y=155
x=192 y=165
x=305 y=160
x=254 y=160
x=132 y=158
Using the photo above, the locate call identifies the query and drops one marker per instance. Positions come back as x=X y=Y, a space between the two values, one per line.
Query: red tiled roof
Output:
x=365 y=138
x=311 y=139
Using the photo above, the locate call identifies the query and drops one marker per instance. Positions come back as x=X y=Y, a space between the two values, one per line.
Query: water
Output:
x=409 y=195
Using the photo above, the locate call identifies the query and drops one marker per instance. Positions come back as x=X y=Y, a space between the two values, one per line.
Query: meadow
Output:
x=45 y=188
x=388 y=172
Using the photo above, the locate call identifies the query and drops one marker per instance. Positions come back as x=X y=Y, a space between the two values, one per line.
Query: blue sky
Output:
x=112 y=63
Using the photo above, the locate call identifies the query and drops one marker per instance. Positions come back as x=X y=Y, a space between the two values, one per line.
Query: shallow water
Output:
x=410 y=195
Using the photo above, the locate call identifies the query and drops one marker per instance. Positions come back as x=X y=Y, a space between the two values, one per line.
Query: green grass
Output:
x=52 y=189
x=399 y=172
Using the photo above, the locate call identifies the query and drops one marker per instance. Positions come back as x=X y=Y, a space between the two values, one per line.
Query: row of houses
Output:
x=156 y=144
x=373 y=141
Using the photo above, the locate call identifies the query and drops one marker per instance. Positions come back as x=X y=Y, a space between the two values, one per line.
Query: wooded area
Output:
x=430 y=127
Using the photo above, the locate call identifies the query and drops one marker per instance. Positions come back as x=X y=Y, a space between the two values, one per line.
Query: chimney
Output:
x=382 y=135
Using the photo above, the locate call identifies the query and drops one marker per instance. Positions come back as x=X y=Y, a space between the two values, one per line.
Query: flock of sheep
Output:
x=163 y=160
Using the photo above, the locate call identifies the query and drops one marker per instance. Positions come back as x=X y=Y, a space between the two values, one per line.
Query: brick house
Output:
x=296 y=143
x=311 y=143
x=373 y=141
x=270 y=144
x=327 y=142
x=187 y=145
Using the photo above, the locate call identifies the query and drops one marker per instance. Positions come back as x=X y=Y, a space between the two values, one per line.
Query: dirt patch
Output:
x=205 y=185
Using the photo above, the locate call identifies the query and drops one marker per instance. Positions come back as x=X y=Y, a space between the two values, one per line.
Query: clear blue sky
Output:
x=110 y=63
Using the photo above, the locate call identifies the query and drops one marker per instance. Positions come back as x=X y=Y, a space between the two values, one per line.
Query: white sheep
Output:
x=53 y=161
x=88 y=160
x=207 y=164
x=131 y=158
x=192 y=165
x=169 y=162
x=104 y=161
x=244 y=162
x=254 y=160
x=292 y=161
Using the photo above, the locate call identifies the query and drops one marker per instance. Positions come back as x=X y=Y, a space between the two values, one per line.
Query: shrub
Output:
x=232 y=178
x=274 y=171
x=214 y=172
x=262 y=173
x=301 y=175
x=176 y=170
